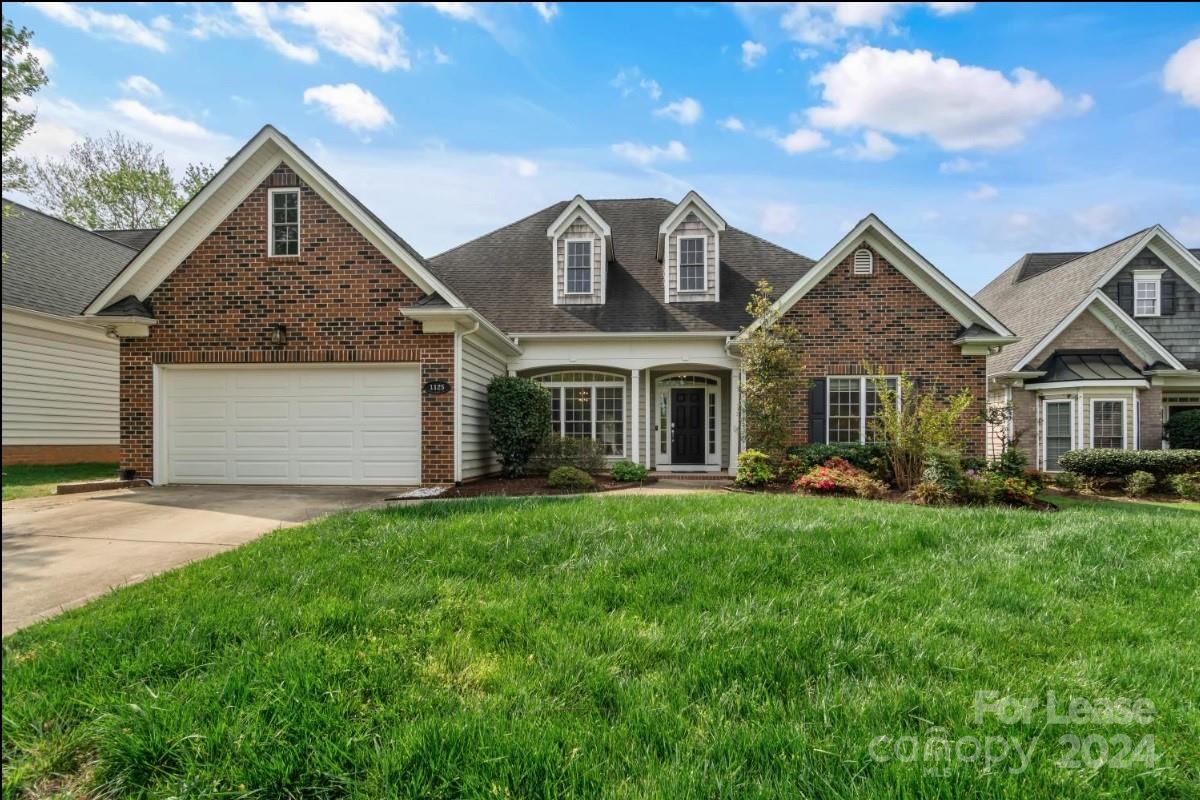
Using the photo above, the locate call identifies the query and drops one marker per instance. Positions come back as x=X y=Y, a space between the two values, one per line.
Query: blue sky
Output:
x=977 y=131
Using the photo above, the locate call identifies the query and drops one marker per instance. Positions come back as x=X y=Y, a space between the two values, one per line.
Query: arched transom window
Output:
x=588 y=405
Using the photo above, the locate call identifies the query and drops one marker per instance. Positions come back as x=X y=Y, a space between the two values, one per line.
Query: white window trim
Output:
x=863 y=380
x=271 y=220
x=679 y=238
x=662 y=392
x=1046 y=428
x=1148 y=277
x=591 y=266
x=591 y=386
x=1124 y=419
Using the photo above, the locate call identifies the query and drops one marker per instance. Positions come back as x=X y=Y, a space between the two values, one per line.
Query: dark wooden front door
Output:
x=687 y=426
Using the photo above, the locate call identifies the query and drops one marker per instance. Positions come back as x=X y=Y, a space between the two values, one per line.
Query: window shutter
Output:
x=816 y=411
x=1168 y=296
x=1125 y=294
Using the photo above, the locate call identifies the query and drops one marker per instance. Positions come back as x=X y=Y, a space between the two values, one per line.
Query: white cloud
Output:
x=874 y=147
x=547 y=11
x=732 y=124
x=631 y=79
x=256 y=18
x=440 y=57
x=1083 y=104
x=824 y=24
x=958 y=166
x=911 y=93
x=162 y=23
x=365 y=33
x=350 y=105
x=984 y=191
x=139 y=84
x=44 y=57
x=1181 y=75
x=685 y=111
x=167 y=124
x=779 y=219
x=120 y=27
x=753 y=53
x=801 y=140
x=645 y=155
x=523 y=167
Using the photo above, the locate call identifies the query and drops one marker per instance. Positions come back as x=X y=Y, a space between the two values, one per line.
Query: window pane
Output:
x=712 y=423
x=579 y=267
x=1145 y=297
x=691 y=265
x=1058 y=432
x=1108 y=424
x=556 y=410
x=577 y=407
x=285 y=223
x=610 y=419
x=844 y=407
x=874 y=404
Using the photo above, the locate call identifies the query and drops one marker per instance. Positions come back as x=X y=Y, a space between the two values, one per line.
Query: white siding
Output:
x=61 y=383
x=479 y=366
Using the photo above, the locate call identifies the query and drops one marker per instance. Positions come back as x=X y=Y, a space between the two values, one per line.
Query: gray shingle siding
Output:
x=1178 y=332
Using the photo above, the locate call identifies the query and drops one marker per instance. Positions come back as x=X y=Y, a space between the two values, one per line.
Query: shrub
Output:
x=628 y=472
x=556 y=451
x=571 y=479
x=1068 y=481
x=1011 y=463
x=1139 y=483
x=1183 y=430
x=869 y=457
x=932 y=493
x=974 y=464
x=838 y=476
x=792 y=468
x=976 y=490
x=1010 y=491
x=917 y=423
x=754 y=469
x=518 y=416
x=1186 y=485
x=943 y=469
x=1121 y=463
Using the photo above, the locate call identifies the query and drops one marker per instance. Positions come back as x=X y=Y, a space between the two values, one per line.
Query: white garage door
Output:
x=293 y=425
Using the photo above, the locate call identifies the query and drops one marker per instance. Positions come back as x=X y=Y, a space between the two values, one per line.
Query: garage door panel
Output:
x=298 y=425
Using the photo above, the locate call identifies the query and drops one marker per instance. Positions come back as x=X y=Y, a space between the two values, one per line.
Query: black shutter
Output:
x=816 y=411
x=1125 y=294
x=1168 y=296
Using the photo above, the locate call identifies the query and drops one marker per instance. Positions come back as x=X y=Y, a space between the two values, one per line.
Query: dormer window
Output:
x=691 y=264
x=579 y=266
x=283 y=232
x=1147 y=293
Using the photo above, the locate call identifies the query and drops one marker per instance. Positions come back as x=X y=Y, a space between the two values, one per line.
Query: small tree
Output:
x=998 y=419
x=1183 y=430
x=519 y=418
x=23 y=76
x=915 y=426
x=771 y=386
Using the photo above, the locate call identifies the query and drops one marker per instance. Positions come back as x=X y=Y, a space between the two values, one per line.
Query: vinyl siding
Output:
x=691 y=226
x=1178 y=332
x=59 y=388
x=479 y=366
x=580 y=229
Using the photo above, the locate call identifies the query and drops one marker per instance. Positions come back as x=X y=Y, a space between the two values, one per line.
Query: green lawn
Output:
x=21 y=481
x=627 y=647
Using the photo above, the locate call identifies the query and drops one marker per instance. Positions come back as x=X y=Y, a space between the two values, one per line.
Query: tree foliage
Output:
x=22 y=77
x=914 y=425
x=771 y=383
x=519 y=419
x=114 y=182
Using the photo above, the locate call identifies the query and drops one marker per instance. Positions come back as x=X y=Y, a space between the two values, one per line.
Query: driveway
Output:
x=62 y=551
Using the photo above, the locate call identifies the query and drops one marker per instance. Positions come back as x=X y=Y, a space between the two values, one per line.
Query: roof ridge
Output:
x=62 y=221
x=497 y=230
x=1098 y=249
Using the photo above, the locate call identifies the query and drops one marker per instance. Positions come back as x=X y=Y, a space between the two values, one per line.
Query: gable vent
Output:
x=863 y=262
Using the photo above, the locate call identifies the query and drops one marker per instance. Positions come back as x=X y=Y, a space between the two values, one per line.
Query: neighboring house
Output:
x=1110 y=345
x=276 y=331
x=61 y=373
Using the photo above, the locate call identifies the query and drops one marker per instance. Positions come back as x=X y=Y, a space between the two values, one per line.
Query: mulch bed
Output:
x=893 y=496
x=524 y=487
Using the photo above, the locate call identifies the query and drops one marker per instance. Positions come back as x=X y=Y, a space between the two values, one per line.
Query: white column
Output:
x=651 y=416
x=634 y=395
x=735 y=418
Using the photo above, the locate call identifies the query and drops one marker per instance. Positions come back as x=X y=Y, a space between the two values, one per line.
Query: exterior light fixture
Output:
x=279 y=335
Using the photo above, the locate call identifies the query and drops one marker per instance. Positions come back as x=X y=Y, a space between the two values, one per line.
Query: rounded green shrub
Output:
x=518 y=416
x=1139 y=483
x=1186 y=485
x=628 y=472
x=571 y=479
x=1120 y=463
x=754 y=469
x=1183 y=430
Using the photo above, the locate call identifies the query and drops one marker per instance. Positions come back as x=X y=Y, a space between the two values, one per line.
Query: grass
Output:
x=23 y=481
x=715 y=645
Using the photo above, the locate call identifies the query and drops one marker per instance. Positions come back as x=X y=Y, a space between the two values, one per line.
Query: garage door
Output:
x=293 y=425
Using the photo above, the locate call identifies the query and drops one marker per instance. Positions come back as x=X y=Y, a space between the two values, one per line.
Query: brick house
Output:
x=1109 y=348
x=276 y=331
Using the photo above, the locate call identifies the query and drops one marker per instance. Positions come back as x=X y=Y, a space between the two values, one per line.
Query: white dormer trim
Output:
x=579 y=209
x=692 y=202
x=575 y=208
x=1167 y=248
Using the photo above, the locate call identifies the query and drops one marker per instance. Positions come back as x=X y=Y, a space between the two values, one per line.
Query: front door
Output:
x=687 y=426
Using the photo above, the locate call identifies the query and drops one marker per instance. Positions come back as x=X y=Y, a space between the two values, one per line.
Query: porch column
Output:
x=735 y=418
x=633 y=413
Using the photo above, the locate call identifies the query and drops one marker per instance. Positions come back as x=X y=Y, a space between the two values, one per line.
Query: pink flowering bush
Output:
x=837 y=476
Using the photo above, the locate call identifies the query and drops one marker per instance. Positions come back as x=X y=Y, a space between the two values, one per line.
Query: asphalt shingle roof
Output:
x=137 y=238
x=506 y=276
x=1032 y=306
x=53 y=266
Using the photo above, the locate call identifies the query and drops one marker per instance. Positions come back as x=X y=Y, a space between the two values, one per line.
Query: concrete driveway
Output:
x=62 y=551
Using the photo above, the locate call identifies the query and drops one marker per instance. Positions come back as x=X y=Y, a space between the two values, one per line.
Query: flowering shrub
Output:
x=837 y=476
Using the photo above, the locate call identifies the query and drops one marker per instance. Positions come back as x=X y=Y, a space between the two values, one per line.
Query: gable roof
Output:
x=137 y=238
x=505 y=275
x=1035 y=305
x=236 y=178
x=978 y=323
x=53 y=266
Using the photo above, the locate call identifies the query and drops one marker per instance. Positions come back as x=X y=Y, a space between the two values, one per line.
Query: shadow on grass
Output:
x=455 y=507
x=1118 y=506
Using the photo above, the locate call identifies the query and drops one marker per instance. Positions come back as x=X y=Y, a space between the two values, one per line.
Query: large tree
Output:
x=22 y=77
x=114 y=182
x=772 y=382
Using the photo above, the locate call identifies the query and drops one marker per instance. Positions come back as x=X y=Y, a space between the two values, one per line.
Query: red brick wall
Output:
x=60 y=453
x=885 y=320
x=340 y=299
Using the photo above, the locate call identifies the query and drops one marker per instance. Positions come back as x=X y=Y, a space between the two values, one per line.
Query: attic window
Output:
x=283 y=232
x=1147 y=293
x=579 y=266
x=691 y=264
x=864 y=263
